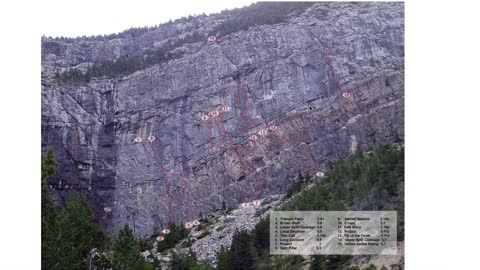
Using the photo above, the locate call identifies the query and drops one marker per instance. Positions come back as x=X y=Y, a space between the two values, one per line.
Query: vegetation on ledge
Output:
x=262 y=13
x=125 y=65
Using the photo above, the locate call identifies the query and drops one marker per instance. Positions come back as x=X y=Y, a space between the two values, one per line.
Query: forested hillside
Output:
x=372 y=180
x=262 y=13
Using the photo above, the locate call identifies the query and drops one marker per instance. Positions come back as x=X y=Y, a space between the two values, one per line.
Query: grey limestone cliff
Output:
x=331 y=81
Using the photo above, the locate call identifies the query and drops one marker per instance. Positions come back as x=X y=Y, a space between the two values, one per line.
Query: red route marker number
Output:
x=166 y=231
x=138 y=140
x=151 y=138
x=211 y=38
x=256 y=203
x=225 y=108
x=214 y=113
x=262 y=132
x=188 y=225
x=273 y=128
x=196 y=222
x=346 y=95
x=204 y=117
x=253 y=137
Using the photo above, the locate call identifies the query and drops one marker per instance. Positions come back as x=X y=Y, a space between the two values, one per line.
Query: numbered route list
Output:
x=333 y=232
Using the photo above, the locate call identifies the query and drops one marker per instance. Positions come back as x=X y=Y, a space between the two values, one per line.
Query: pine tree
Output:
x=127 y=251
x=77 y=234
x=318 y=263
x=67 y=237
x=225 y=261
x=262 y=234
x=186 y=262
x=48 y=164
x=48 y=168
x=244 y=252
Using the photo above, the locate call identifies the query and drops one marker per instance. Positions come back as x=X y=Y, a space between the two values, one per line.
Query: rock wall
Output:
x=330 y=81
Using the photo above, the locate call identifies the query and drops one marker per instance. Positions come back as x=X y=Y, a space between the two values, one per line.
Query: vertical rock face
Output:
x=324 y=84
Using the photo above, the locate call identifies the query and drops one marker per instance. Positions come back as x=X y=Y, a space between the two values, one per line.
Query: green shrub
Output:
x=177 y=234
x=204 y=234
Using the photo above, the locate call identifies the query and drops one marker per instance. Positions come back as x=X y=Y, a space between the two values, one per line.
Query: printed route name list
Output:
x=333 y=232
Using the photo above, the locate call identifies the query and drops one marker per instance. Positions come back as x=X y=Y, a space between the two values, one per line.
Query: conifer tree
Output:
x=244 y=252
x=127 y=251
x=224 y=260
x=77 y=234
x=48 y=167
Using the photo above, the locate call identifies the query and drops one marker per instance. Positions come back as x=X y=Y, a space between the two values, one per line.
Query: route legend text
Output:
x=333 y=232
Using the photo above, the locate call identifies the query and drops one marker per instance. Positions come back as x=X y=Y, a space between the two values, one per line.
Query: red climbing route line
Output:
x=248 y=121
x=242 y=104
x=224 y=132
x=167 y=184
x=188 y=209
x=310 y=142
x=260 y=179
x=210 y=135
x=222 y=141
x=239 y=107
x=157 y=163
x=192 y=196
x=184 y=189
x=167 y=173
x=248 y=168
x=245 y=114
x=325 y=55
x=247 y=107
x=170 y=203
x=226 y=137
x=235 y=150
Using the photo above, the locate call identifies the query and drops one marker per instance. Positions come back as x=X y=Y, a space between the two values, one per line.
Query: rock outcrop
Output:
x=322 y=85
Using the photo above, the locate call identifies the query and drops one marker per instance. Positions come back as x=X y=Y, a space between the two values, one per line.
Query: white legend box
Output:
x=333 y=232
